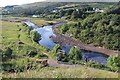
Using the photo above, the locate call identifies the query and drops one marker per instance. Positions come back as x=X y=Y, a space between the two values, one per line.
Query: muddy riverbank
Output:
x=63 y=40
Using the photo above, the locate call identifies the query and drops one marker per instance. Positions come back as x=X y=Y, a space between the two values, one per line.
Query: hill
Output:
x=30 y=9
x=98 y=29
x=46 y=7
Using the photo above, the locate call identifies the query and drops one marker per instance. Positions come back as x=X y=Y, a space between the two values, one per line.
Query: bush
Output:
x=35 y=36
x=32 y=53
x=24 y=24
x=55 y=49
x=75 y=54
x=71 y=62
x=113 y=63
x=81 y=62
x=63 y=28
x=20 y=65
x=40 y=55
x=64 y=57
x=7 y=53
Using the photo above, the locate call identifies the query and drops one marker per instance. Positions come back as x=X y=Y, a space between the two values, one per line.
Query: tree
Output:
x=63 y=28
x=85 y=33
x=56 y=47
x=35 y=36
x=75 y=54
x=69 y=12
x=62 y=13
x=8 y=52
x=118 y=3
x=114 y=62
x=75 y=15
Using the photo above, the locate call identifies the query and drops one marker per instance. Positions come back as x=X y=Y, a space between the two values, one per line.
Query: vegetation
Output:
x=59 y=53
x=56 y=48
x=20 y=65
x=35 y=36
x=7 y=53
x=114 y=63
x=75 y=54
x=99 y=29
x=63 y=72
x=23 y=56
x=18 y=48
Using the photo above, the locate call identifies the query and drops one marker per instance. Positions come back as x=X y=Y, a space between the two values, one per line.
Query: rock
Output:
x=32 y=53
x=44 y=63
x=20 y=42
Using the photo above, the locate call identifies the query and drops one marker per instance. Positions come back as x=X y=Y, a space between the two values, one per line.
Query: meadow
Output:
x=63 y=72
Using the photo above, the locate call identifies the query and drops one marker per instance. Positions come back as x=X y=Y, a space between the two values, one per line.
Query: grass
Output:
x=68 y=5
x=100 y=5
x=64 y=72
x=38 y=21
x=10 y=33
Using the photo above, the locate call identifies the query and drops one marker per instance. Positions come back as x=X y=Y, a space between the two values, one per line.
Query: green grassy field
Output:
x=38 y=21
x=10 y=33
x=63 y=72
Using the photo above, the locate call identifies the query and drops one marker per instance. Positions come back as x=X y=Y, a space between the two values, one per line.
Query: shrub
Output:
x=113 y=63
x=20 y=65
x=55 y=49
x=40 y=55
x=64 y=28
x=8 y=52
x=24 y=24
x=35 y=36
x=71 y=62
x=32 y=53
x=75 y=54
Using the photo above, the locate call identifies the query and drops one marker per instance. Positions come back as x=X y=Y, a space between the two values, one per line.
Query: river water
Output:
x=46 y=41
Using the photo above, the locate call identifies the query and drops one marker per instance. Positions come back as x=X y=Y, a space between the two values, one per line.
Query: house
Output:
x=95 y=10
x=99 y=10
x=55 y=11
x=35 y=16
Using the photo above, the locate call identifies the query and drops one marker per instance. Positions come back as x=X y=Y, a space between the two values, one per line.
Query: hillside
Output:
x=98 y=29
x=46 y=7
x=32 y=8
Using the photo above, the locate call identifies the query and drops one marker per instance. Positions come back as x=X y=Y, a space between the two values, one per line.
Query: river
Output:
x=46 y=32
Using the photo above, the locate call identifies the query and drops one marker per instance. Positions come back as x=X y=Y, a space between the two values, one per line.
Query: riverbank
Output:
x=63 y=40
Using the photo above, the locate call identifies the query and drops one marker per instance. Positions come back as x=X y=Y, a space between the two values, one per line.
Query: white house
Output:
x=35 y=16
x=99 y=10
